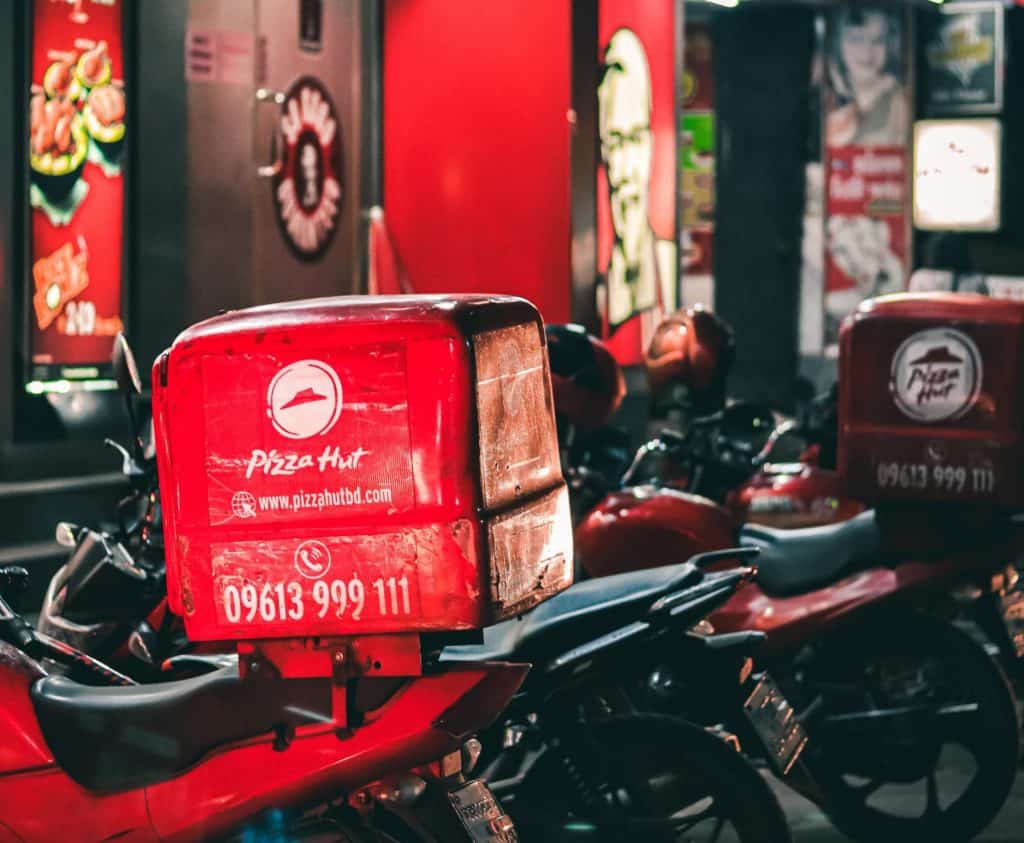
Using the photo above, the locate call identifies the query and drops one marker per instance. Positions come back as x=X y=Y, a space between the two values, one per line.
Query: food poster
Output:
x=637 y=178
x=76 y=143
x=867 y=125
x=697 y=168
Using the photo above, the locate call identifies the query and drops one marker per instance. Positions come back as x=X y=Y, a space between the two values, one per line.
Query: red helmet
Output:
x=693 y=348
x=586 y=379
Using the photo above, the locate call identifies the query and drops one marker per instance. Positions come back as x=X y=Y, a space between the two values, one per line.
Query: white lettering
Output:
x=275 y=464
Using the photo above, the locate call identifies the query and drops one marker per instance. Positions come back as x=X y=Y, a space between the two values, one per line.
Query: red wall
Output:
x=476 y=146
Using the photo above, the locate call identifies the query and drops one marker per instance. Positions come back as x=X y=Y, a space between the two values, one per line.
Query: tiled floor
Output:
x=810 y=826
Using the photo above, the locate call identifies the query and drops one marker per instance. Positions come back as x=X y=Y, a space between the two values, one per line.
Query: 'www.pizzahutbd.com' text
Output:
x=323 y=499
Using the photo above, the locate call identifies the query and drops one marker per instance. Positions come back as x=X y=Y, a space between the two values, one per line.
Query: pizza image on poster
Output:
x=59 y=279
x=865 y=234
x=76 y=136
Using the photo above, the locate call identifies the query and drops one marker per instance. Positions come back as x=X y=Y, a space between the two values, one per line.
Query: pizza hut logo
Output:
x=307 y=187
x=304 y=399
x=936 y=375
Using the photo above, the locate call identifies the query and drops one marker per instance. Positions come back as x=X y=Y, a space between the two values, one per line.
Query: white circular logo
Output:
x=936 y=375
x=312 y=559
x=304 y=399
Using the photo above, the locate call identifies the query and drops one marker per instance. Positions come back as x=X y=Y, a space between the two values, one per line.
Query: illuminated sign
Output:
x=75 y=138
x=957 y=165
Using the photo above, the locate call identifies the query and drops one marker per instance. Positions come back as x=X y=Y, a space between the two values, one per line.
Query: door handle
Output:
x=273 y=167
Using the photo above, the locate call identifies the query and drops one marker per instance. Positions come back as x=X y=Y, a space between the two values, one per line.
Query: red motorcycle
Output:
x=333 y=721
x=794 y=481
x=883 y=687
x=225 y=753
x=768 y=472
x=787 y=479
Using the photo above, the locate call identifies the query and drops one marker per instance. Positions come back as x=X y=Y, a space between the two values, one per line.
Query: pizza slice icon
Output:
x=59 y=278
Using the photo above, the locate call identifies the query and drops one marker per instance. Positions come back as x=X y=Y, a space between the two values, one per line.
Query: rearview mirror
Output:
x=126 y=371
x=66 y=534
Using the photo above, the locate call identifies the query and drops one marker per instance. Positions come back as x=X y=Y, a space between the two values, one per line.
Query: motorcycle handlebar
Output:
x=15 y=630
x=699 y=600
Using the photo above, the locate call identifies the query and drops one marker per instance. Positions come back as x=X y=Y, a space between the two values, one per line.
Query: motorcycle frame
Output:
x=669 y=526
x=424 y=722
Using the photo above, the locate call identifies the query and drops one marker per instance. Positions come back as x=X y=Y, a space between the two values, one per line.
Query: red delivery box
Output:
x=360 y=465
x=930 y=399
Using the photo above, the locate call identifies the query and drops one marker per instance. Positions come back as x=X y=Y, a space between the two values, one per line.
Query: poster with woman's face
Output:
x=867 y=122
x=867 y=98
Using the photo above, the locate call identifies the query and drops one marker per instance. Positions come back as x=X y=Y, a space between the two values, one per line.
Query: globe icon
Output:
x=243 y=504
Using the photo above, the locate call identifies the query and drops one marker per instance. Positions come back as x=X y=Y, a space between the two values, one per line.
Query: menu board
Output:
x=76 y=148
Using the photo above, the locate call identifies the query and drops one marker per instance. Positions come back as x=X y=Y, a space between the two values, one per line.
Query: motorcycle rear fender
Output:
x=417 y=727
x=719 y=654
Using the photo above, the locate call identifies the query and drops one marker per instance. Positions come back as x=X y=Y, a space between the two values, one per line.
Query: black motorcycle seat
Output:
x=109 y=739
x=582 y=611
x=795 y=562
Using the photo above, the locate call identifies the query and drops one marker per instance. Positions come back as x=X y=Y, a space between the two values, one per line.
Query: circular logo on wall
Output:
x=307 y=188
x=304 y=399
x=936 y=375
x=312 y=559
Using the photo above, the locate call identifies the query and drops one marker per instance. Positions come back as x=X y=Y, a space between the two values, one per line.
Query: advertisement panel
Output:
x=697 y=163
x=867 y=125
x=964 y=54
x=637 y=178
x=957 y=174
x=76 y=152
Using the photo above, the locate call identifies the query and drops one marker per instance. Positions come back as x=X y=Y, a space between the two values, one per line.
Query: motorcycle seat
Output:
x=109 y=739
x=583 y=611
x=795 y=562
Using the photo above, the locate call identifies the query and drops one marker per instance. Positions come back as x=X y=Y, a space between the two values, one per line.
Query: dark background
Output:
x=52 y=461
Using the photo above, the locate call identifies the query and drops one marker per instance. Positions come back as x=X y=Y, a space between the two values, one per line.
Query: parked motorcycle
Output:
x=225 y=754
x=881 y=686
x=110 y=598
x=589 y=388
x=320 y=731
x=600 y=650
x=783 y=473
x=780 y=474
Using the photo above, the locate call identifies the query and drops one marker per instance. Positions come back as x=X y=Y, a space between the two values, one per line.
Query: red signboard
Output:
x=76 y=139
